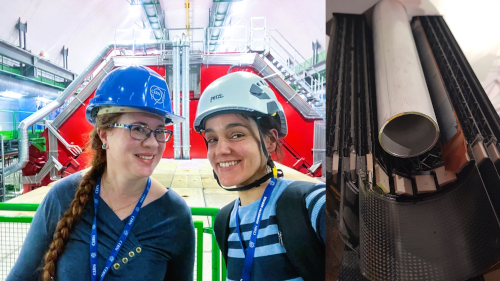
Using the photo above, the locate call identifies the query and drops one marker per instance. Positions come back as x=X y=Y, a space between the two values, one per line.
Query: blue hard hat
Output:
x=136 y=87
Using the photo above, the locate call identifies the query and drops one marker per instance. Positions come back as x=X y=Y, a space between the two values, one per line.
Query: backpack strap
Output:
x=303 y=247
x=221 y=228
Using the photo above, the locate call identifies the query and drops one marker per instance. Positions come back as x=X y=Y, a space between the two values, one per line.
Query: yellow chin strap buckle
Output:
x=275 y=172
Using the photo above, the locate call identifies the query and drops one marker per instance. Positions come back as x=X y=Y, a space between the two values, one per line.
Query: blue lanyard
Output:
x=250 y=251
x=123 y=236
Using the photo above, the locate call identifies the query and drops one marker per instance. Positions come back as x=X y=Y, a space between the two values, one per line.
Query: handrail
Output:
x=295 y=50
x=305 y=70
x=32 y=207
x=204 y=211
x=280 y=49
x=26 y=207
x=3 y=63
x=74 y=149
x=217 y=273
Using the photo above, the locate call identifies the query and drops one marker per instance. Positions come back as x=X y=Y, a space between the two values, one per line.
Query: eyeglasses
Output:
x=140 y=132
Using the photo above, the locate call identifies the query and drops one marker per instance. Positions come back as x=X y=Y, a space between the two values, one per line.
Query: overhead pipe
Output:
x=407 y=124
x=177 y=95
x=185 y=98
x=46 y=110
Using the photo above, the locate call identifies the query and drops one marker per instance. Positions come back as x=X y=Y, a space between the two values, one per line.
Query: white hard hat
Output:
x=239 y=92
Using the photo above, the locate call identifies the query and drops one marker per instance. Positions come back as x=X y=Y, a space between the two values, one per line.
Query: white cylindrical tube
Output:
x=176 y=96
x=407 y=124
x=186 y=146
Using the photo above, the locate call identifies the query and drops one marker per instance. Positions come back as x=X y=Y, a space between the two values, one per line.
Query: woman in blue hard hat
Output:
x=115 y=222
x=275 y=230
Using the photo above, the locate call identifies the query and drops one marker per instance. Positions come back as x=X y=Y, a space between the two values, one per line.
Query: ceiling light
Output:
x=238 y=8
x=10 y=94
x=42 y=99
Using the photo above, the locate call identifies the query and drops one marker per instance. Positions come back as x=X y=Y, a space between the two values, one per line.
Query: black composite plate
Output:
x=453 y=235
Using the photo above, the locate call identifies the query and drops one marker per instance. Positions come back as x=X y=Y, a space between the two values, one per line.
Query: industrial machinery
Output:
x=188 y=68
x=413 y=144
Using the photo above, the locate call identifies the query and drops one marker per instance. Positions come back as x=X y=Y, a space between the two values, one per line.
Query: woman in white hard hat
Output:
x=114 y=222
x=263 y=233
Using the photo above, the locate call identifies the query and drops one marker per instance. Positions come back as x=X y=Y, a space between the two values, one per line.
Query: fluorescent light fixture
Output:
x=42 y=99
x=10 y=94
x=238 y=8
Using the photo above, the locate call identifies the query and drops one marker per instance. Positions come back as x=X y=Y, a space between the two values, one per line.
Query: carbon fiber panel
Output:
x=349 y=269
x=452 y=235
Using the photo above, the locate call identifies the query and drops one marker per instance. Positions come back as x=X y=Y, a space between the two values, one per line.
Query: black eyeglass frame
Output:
x=155 y=132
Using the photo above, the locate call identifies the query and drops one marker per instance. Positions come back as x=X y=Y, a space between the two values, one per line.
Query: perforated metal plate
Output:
x=453 y=235
x=349 y=269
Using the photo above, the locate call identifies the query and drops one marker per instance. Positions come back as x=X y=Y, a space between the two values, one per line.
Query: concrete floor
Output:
x=192 y=179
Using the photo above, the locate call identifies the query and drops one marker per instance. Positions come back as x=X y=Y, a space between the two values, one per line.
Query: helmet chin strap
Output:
x=274 y=171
